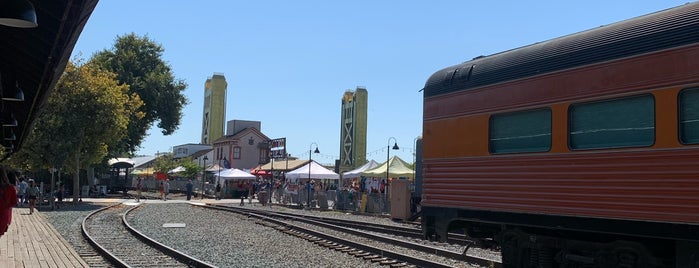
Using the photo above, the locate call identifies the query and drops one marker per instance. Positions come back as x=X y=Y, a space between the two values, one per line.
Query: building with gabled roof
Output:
x=244 y=149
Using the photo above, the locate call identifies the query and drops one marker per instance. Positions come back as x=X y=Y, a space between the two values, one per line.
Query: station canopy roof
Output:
x=34 y=58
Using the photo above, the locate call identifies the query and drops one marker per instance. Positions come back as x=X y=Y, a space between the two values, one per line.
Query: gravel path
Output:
x=230 y=240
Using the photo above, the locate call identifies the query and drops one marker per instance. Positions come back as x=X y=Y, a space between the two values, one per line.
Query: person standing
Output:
x=190 y=188
x=139 y=189
x=160 y=189
x=251 y=192
x=166 y=189
x=32 y=195
x=218 y=191
x=9 y=200
x=309 y=188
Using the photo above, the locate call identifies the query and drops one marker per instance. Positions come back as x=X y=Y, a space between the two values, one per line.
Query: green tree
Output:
x=137 y=62
x=87 y=113
x=165 y=163
x=191 y=168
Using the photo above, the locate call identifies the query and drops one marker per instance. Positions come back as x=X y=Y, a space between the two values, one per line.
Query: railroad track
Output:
x=414 y=231
x=108 y=231
x=282 y=222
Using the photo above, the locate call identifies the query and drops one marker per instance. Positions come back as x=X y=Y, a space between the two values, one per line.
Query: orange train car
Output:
x=580 y=151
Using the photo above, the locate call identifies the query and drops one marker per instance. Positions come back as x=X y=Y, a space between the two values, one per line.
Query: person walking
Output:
x=190 y=188
x=139 y=189
x=22 y=194
x=59 y=195
x=218 y=191
x=9 y=200
x=166 y=189
x=243 y=191
x=32 y=195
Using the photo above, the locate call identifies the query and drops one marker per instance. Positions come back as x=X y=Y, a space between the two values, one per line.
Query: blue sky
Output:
x=287 y=63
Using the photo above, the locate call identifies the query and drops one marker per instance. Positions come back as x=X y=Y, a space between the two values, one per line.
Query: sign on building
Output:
x=277 y=148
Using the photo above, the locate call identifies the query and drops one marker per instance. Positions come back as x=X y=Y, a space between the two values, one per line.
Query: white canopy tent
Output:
x=356 y=173
x=176 y=170
x=316 y=172
x=234 y=174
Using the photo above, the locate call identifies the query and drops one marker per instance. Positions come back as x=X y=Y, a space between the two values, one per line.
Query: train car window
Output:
x=520 y=132
x=689 y=116
x=618 y=123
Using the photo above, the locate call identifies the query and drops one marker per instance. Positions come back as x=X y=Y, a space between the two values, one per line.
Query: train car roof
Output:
x=661 y=30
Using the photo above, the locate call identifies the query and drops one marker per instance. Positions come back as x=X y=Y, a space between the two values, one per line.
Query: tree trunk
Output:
x=76 y=179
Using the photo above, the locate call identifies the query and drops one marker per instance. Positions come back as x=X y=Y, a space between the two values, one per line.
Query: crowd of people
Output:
x=16 y=191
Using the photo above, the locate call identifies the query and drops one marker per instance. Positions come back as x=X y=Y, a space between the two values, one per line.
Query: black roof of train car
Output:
x=656 y=31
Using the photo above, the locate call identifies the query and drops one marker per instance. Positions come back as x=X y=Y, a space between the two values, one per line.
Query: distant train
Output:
x=580 y=151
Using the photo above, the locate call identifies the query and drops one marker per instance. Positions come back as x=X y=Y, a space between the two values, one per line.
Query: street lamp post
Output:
x=308 y=189
x=203 y=177
x=388 y=153
x=388 y=165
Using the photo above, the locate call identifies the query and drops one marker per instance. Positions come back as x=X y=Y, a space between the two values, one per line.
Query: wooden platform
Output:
x=32 y=242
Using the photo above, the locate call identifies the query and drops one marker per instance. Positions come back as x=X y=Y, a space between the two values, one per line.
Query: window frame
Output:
x=237 y=152
x=679 y=115
x=491 y=125
x=572 y=107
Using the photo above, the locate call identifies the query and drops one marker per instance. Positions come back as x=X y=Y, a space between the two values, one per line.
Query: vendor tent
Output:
x=358 y=172
x=258 y=171
x=234 y=174
x=316 y=172
x=143 y=171
x=160 y=176
x=396 y=168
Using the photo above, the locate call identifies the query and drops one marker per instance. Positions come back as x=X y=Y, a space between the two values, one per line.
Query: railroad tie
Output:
x=362 y=255
x=347 y=250
x=355 y=252
x=337 y=247
x=388 y=262
x=379 y=259
x=370 y=257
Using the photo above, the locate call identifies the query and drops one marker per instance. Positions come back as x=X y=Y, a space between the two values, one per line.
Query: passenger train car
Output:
x=580 y=151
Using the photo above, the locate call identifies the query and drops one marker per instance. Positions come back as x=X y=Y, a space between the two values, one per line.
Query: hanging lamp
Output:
x=13 y=93
x=18 y=13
